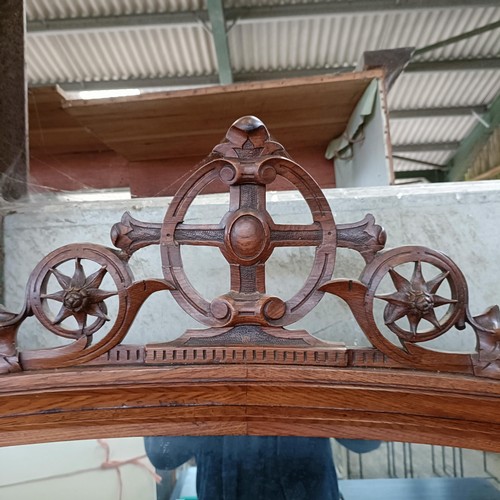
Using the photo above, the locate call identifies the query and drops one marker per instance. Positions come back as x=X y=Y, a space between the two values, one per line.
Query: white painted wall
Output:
x=371 y=161
x=72 y=470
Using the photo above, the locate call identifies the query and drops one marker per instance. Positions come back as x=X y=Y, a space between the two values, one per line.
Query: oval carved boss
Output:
x=247 y=238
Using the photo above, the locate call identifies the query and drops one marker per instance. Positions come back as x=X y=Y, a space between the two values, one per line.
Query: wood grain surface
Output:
x=186 y=123
x=450 y=410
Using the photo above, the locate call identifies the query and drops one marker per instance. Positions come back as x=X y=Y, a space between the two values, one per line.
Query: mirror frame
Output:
x=393 y=405
x=245 y=374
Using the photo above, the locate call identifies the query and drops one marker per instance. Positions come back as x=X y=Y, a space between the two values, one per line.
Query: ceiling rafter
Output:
x=428 y=164
x=458 y=38
x=213 y=79
x=477 y=64
x=219 y=35
x=439 y=112
x=423 y=147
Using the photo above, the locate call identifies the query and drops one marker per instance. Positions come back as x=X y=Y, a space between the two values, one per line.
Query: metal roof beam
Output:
x=245 y=14
x=413 y=67
x=471 y=145
x=347 y=7
x=425 y=147
x=436 y=112
x=120 y=22
x=454 y=65
x=458 y=38
x=203 y=80
x=219 y=34
x=419 y=162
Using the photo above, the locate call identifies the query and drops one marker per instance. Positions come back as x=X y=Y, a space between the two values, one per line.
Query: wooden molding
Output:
x=451 y=410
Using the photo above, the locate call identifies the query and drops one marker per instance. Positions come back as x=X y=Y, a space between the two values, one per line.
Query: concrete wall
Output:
x=461 y=220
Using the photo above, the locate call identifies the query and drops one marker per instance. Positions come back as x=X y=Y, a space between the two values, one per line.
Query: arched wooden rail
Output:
x=245 y=373
x=452 y=410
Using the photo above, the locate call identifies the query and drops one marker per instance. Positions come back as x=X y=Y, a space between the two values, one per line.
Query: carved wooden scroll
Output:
x=246 y=325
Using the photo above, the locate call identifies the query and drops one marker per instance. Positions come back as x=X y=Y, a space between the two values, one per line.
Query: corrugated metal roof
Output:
x=120 y=54
x=431 y=130
x=444 y=89
x=336 y=41
x=62 y=9
x=431 y=157
x=274 y=44
x=311 y=42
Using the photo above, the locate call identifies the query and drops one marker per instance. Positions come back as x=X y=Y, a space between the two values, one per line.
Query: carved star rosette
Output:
x=72 y=287
x=425 y=302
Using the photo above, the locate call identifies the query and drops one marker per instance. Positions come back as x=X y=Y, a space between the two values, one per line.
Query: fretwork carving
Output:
x=245 y=325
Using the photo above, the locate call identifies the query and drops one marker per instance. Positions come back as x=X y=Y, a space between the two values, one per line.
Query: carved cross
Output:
x=247 y=161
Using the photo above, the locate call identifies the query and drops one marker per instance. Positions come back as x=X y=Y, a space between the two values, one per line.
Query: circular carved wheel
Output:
x=78 y=296
x=417 y=298
x=247 y=235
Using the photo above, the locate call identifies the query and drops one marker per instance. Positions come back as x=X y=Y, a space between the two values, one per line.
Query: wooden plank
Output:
x=52 y=130
x=162 y=177
x=450 y=410
x=76 y=171
x=165 y=176
x=165 y=135
x=177 y=145
x=305 y=112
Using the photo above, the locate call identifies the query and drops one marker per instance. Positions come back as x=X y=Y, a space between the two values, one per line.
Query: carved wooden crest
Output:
x=246 y=324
